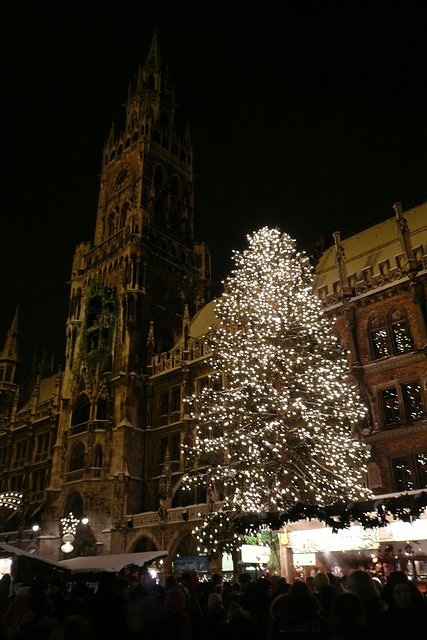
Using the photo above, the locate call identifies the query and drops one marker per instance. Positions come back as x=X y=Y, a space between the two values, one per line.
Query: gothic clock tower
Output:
x=129 y=291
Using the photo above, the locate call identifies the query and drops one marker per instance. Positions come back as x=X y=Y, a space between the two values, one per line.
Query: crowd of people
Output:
x=322 y=607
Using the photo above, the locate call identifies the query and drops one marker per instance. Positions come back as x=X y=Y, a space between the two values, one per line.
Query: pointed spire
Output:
x=154 y=57
x=341 y=263
x=10 y=349
x=405 y=238
x=150 y=338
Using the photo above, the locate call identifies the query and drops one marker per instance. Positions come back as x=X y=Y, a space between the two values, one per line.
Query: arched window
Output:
x=379 y=340
x=400 y=331
x=135 y=136
x=81 y=411
x=127 y=143
x=144 y=544
x=150 y=83
x=74 y=505
x=98 y=456
x=77 y=458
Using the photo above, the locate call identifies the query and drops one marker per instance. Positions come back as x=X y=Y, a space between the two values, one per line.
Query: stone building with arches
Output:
x=102 y=438
x=78 y=444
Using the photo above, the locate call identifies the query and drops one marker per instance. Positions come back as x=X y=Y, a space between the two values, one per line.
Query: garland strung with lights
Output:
x=276 y=426
x=369 y=515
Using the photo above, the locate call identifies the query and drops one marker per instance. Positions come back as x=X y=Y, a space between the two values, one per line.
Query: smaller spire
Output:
x=150 y=338
x=341 y=264
x=405 y=238
x=10 y=349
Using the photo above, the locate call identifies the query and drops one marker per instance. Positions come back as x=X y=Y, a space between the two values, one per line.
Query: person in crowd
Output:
x=14 y=615
x=312 y=587
x=280 y=587
x=407 y=614
x=5 y=597
x=296 y=614
x=335 y=584
x=177 y=623
x=73 y=627
x=37 y=622
x=325 y=595
x=346 y=619
x=361 y=584
x=247 y=597
x=57 y=593
x=216 y=616
x=263 y=598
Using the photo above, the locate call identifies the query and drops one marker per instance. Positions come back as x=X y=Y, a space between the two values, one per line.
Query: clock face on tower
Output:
x=121 y=176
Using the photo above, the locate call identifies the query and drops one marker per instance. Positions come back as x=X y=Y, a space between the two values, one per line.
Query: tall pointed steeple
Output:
x=154 y=56
x=9 y=363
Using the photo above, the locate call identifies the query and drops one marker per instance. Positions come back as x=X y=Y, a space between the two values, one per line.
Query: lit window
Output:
x=421 y=461
x=390 y=401
x=400 y=332
x=402 y=474
x=379 y=338
x=413 y=400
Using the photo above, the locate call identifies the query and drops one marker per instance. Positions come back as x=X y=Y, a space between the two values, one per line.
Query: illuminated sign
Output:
x=320 y=540
x=304 y=559
x=255 y=554
x=400 y=531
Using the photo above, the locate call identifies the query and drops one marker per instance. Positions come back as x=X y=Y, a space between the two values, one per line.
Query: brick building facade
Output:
x=373 y=286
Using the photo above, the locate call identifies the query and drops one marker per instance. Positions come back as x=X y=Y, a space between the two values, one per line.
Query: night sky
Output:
x=306 y=115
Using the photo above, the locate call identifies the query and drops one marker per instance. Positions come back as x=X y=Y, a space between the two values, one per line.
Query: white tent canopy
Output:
x=11 y=551
x=114 y=562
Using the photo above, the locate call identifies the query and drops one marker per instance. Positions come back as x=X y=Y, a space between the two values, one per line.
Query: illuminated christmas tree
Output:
x=277 y=424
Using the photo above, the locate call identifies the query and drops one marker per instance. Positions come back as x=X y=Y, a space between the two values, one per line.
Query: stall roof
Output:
x=114 y=562
x=9 y=550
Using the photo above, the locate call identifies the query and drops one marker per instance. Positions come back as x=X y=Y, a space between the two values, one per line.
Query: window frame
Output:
x=402 y=397
x=378 y=323
x=416 y=473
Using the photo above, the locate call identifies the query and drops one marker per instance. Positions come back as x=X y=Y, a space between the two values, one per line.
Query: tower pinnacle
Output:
x=10 y=350
x=154 y=56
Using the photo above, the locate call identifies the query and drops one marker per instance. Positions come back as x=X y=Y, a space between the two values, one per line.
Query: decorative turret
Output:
x=341 y=264
x=9 y=363
x=10 y=349
x=405 y=238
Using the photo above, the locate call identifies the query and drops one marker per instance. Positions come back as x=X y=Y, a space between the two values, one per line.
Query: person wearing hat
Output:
x=326 y=593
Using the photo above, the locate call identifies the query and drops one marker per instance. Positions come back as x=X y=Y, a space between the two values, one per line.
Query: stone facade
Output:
x=102 y=437
x=85 y=442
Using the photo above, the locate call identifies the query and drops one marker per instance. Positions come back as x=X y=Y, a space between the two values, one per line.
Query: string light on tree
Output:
x=278 y=423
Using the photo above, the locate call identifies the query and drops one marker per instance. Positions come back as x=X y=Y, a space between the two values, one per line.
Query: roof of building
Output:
x=202 y=323
x=373 y=246
x=46 y=392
